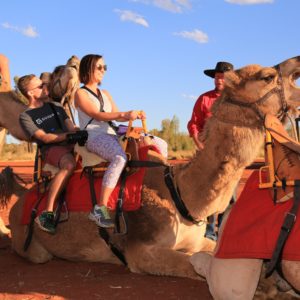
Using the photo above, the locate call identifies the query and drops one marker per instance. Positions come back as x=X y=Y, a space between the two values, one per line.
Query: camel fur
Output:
x=160 y=241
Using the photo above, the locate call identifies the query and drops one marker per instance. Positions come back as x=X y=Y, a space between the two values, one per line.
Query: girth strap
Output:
x=34 y=214
x=102 y=231
x=286 y=228
x=175 y=193
x=119 y=207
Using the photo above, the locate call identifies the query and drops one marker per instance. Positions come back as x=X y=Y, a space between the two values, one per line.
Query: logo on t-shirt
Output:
x=39 y=121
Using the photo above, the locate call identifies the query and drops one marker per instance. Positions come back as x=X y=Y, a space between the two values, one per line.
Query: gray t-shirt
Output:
x=33 y=119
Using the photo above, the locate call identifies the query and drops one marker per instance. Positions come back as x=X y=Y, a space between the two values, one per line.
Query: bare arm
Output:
x=198 y=144
x=89 y=108
x=70 y=125
x=49 y=138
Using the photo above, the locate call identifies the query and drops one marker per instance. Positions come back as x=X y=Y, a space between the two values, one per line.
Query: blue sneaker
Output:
x=100 y=215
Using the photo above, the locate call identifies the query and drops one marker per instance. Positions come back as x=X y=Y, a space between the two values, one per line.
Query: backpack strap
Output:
x=100 y=98
x=58 y=120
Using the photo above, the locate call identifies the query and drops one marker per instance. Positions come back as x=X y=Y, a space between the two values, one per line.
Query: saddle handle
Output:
x=130 y=129
x=143 y=125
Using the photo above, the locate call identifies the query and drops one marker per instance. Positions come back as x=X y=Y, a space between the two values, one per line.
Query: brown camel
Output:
x=63 y=83
x=160 y=241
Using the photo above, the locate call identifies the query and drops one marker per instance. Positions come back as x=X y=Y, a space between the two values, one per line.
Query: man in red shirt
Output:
x=201 y=113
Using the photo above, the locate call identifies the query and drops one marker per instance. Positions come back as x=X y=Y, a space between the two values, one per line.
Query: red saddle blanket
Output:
x=254 y=224
x=78 y=197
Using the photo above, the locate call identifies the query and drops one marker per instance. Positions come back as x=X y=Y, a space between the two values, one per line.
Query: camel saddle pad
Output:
x=253 y=226
x=78 y=197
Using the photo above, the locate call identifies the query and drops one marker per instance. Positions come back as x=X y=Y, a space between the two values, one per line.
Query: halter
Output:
x=276 y=90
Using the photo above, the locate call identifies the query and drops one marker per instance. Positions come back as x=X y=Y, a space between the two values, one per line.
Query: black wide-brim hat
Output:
x=221 y=67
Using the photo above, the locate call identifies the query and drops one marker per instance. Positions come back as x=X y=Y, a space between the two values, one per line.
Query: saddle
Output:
x=282 y=159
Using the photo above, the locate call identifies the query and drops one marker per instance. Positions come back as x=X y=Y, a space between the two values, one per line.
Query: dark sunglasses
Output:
x=39 y=86
x=101 y=67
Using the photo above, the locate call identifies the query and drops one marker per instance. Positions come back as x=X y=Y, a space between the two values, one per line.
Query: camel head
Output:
x=73 y=62
x=266 y=90
x=64 y=81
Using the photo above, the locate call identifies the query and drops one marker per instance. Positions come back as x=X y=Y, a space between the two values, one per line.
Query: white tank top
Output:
x=95 y=126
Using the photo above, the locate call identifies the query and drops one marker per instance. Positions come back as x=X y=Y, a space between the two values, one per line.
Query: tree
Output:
x=170 y=133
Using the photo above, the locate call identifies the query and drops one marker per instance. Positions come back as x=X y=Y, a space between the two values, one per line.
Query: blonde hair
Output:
x=23 y=83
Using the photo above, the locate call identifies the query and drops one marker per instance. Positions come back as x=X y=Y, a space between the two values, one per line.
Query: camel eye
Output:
x=268 y=79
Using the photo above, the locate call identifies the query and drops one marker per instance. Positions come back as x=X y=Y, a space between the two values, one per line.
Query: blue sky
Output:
x=156 y=50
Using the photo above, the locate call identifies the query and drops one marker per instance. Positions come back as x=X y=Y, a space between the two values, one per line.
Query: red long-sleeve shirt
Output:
x=201 y=111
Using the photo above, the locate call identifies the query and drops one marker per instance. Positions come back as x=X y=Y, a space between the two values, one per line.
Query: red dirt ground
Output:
x=60 y=279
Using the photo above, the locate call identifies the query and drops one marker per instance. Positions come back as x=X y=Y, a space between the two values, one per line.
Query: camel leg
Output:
x=233 y=279
x=159 y=261
x=291 y=271
x=230 y=279
x=36 y=252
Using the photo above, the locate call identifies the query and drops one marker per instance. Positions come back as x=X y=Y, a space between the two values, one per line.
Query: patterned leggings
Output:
x=107 y=146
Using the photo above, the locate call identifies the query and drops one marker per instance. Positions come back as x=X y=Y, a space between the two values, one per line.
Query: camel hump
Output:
x=278 y=132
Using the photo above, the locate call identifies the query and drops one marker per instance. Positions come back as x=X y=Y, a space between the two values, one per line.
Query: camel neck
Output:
x=214 y=172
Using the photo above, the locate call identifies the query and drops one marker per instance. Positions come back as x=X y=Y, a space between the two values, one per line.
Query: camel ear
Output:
x=232 y=79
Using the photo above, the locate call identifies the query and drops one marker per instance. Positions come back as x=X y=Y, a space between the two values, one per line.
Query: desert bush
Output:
x=15 y=152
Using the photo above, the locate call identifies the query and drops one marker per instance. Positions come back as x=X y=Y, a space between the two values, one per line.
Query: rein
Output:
x=254 y=105
x=175 y=193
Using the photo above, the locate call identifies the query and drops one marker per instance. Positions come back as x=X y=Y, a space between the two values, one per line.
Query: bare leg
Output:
x=104 y=195
x=67 y=165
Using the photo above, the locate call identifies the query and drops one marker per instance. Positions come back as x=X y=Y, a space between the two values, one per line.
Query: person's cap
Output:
x=221 y=67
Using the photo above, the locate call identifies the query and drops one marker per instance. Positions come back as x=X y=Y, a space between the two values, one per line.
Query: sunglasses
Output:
x=101 y=67
x=39 y=87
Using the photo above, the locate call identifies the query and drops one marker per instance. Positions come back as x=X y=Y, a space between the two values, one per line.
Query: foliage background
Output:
x=180 y=145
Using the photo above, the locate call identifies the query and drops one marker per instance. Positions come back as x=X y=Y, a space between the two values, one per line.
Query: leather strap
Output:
x=102 y=231
x=175 y=193
x=286 y=228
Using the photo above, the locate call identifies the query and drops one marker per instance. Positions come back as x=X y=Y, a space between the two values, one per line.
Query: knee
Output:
x=121 y=159
x=69 y=166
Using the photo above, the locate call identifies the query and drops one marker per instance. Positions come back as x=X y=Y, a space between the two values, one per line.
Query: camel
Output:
x=160 y=240
x=63 y=83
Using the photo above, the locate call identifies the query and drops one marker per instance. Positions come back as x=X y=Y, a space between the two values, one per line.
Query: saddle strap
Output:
x=286 y=228
x=102 y=231
x=33 y=215
x=119 y=208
